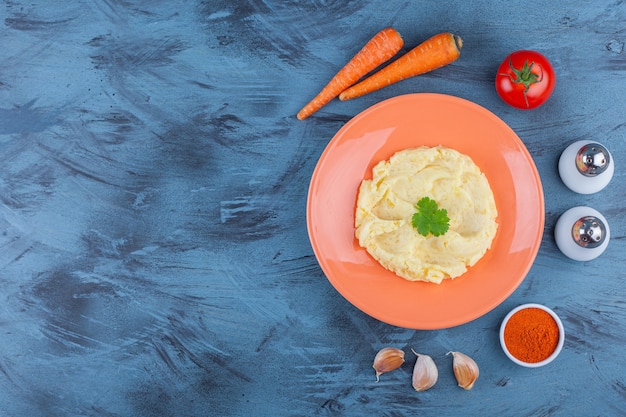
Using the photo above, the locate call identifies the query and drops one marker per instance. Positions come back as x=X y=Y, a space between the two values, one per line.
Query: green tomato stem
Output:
x=525 y=76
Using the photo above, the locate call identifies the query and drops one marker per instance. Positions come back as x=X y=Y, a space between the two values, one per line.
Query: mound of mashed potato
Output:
x=386 y=203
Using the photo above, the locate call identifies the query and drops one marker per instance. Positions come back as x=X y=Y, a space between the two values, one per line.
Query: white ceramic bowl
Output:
x=559 y=345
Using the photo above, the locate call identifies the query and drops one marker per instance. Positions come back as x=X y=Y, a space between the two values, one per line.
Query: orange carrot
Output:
x=440 y=50
x=379 y=49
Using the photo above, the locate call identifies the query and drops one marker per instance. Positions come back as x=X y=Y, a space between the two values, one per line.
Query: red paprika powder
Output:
x=531 y=335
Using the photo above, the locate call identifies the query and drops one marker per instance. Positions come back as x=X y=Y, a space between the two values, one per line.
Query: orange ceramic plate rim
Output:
x=425 y=119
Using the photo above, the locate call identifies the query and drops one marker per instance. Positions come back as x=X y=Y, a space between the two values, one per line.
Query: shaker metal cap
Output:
x=592 y=159
x=589 y=232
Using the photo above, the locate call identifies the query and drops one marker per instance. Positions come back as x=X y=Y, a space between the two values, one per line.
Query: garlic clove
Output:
x=387 y=359
x=465 y=370
x=425 y=372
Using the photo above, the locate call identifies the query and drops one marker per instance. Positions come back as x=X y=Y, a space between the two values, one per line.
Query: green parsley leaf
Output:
x=429 y=218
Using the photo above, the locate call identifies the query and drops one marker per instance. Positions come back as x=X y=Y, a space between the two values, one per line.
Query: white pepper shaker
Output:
x=582 y=233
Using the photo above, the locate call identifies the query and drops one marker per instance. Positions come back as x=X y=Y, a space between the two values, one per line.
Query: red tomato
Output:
x=525 y=79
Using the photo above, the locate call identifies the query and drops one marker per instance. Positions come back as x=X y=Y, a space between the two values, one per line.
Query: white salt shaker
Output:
x=586 y=167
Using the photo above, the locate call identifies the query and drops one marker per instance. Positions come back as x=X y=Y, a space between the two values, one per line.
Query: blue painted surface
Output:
x=154 y=258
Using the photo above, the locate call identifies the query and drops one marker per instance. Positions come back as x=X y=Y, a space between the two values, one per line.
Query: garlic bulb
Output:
x=465 y=370
x=425 y=373
x=387 y=359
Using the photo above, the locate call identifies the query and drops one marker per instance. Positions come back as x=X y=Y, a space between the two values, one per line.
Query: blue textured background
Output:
x=154 y=258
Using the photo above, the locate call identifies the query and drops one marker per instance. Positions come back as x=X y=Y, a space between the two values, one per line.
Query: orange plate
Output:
x=404 y=122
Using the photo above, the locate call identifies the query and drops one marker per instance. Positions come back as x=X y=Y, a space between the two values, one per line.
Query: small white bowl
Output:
x=559 y=345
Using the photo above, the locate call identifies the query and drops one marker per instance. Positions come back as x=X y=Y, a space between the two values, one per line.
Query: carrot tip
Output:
x=458 y=41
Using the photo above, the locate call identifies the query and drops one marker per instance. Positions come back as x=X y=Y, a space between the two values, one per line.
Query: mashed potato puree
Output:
x=386 y=203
